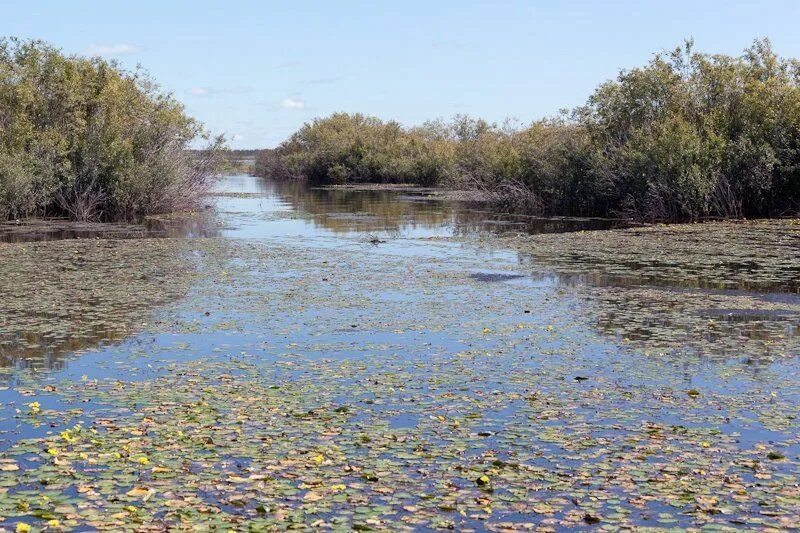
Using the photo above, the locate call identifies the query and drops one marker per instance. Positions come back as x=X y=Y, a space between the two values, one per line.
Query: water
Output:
x=390 y=360
x=295 y=210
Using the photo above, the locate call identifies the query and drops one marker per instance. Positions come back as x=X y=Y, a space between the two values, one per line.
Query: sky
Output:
x=257 y=70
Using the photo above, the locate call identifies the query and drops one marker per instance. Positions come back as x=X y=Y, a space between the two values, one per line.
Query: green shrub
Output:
x=83 y=138
x=687 y=136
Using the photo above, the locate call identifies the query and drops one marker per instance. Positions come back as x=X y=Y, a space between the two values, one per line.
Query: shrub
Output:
x=687 y=136
x=82 y=137
x=693 y=135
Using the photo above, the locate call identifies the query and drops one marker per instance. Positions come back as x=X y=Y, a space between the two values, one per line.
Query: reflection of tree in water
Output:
x=727 y=324
x=662 y=315
x=476 y=218
x=34 y=230
x=723 y=289
x=43 y=351
x=64 y=296
x=354 y=210
x=344 y=210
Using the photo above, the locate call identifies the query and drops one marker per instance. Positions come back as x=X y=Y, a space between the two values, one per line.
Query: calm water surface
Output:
x=279 y=209
x=403 y=313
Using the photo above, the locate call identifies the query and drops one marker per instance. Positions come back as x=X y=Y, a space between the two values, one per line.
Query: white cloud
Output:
x=292 y=103
x=113 y=50
x=210 y=91
x=237 y=137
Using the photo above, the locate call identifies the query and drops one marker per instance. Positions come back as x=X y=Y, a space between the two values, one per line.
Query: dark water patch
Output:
x=63 y=296
x=46 y=230
x=493 y=277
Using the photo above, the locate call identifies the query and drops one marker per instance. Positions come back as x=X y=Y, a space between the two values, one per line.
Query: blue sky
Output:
x=257 y=70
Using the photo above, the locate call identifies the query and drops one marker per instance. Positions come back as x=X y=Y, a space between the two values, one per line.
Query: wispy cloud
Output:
x=209 y=91
x=292 y=103
x=324 y=81
x=112 y=50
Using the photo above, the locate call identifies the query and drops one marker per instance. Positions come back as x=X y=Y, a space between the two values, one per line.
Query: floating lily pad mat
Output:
x=286 y=383
x=61 y=296
x=751 y=255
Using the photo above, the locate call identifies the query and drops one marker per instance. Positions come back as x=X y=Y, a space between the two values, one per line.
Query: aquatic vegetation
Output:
x=318 y=382
x=668 y=288
x=84 y=139
x=751 y=256
x=59 y=297
x=311 y=441
x=729 y=325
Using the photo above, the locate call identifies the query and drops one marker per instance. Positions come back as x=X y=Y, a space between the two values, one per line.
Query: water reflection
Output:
x=633 y=279
x=247 y=206
x=61 y=297
x=743 y=308
x=410 y=213
x=661 y=318
x=202 y=224
x=732 y=324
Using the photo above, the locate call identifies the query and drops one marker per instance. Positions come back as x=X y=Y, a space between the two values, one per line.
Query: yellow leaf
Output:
x=138 y=491
x=312 y=496
x=176 y=504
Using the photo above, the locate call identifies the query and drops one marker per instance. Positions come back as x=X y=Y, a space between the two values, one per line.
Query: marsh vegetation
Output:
x=687 y=136
x=398 y=359
x=84 y=139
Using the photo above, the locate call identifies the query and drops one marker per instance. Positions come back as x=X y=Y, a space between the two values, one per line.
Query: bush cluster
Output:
x=688 y=136
x=80 y=137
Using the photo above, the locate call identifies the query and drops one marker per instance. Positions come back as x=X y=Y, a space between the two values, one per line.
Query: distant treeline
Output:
x=233 y=161
x=687 y=136
x=83 y=138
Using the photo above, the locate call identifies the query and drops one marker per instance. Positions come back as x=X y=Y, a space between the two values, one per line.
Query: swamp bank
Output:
x=686 y=137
